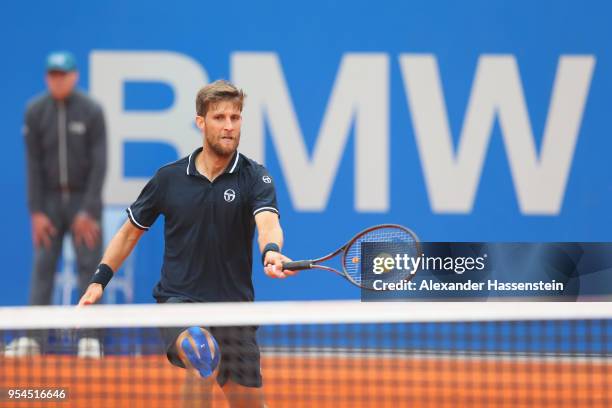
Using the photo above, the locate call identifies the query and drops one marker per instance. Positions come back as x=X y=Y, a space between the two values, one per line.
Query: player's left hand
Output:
x=274 y=265
x=85 y=230
x=92 y=295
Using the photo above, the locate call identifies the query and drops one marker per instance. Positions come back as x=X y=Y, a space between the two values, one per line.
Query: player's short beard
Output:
x=220 y=150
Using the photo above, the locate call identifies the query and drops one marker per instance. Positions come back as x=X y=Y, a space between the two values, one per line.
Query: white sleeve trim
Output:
x=129 y=210
x=260 y=209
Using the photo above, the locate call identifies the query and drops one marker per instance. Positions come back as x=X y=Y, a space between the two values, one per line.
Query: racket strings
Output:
x=388 y=238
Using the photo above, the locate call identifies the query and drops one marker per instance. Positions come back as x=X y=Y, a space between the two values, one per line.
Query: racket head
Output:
x=392 y=234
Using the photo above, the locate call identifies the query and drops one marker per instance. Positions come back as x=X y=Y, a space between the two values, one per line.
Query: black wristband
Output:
x=269 y=247
x=103 y=275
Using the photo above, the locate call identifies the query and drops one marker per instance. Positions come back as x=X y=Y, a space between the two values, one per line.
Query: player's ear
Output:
x=200 y=122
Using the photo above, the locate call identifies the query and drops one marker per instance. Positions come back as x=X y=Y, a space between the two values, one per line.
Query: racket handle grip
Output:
x=297 y=265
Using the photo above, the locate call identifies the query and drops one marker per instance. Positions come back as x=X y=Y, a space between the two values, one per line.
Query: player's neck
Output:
x=210 y=164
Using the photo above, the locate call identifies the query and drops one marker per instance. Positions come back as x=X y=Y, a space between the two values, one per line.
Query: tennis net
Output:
x=320 y=354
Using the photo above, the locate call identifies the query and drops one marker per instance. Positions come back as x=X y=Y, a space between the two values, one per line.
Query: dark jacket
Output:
x=66 y=150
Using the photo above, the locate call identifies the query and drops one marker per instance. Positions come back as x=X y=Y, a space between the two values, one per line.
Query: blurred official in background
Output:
x=65 y=141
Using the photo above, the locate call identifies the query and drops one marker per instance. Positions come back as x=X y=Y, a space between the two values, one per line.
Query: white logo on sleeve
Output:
x=77 y=128
x=229 y=195
x=266 y=179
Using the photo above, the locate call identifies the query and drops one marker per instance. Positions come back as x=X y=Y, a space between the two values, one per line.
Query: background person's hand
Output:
x=274 y=265
x=92 y=295
x=42 y=230
x=85 y=230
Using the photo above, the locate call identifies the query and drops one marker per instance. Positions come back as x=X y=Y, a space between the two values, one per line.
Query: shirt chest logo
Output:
x=229 y=195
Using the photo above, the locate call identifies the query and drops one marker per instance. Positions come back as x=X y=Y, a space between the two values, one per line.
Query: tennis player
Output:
x=211 y=201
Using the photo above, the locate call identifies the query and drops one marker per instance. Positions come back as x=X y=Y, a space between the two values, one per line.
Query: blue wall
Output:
x=311 y=39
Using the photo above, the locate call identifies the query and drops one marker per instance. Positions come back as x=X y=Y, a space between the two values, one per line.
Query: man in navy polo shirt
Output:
x=211 y=200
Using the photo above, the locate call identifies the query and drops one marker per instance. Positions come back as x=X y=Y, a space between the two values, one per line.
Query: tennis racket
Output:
x=389 y=238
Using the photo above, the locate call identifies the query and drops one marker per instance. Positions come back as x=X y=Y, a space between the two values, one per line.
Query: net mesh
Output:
x=355 y=355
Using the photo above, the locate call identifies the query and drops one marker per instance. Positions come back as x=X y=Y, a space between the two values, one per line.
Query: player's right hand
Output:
x=42 y=230
x=92 y=295
x=274 y=265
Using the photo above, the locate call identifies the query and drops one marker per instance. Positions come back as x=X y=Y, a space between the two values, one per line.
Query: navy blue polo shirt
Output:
x=208 y=227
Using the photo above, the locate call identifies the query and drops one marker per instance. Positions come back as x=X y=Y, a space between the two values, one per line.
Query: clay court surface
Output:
x=329 y=381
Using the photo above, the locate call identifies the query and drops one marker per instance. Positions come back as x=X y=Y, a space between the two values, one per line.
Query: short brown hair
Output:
x=220 y=90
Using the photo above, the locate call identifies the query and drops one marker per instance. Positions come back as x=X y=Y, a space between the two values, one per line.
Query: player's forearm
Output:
x=121 y=246
x=268 y=229
x=272 y=234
